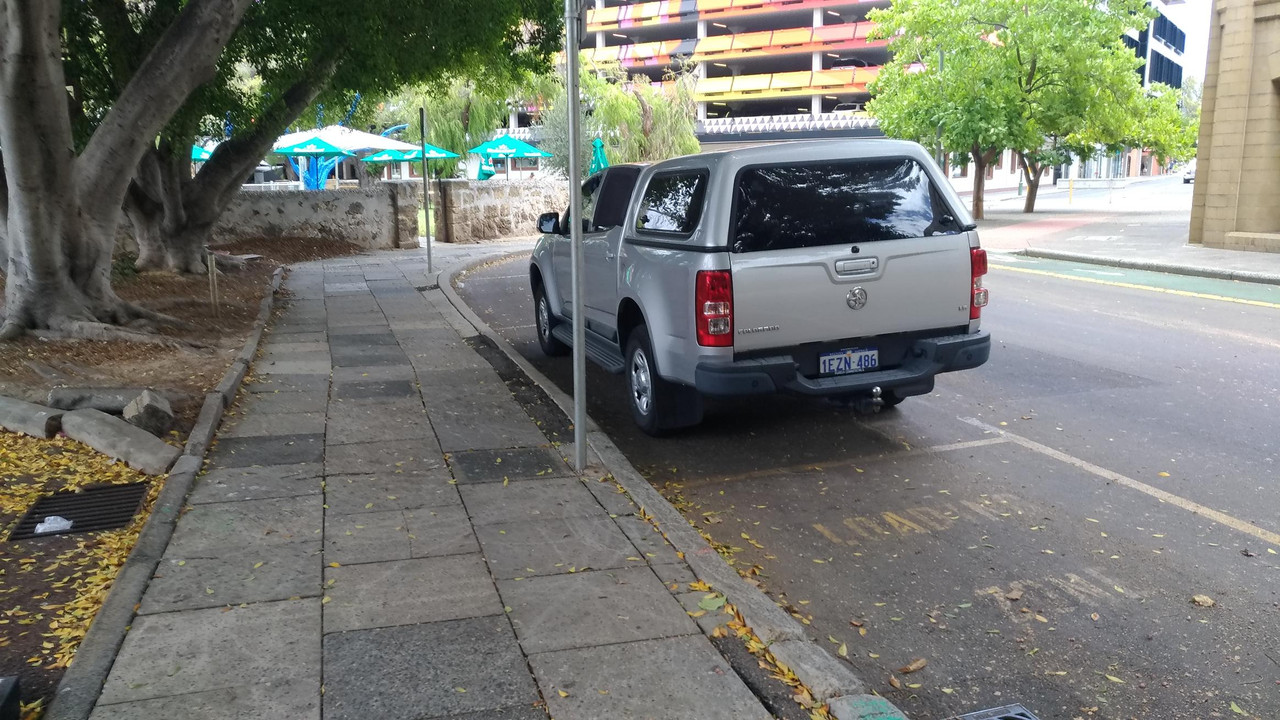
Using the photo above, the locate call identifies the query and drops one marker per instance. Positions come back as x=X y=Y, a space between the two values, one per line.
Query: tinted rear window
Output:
x=839 y=202
x=672 y=203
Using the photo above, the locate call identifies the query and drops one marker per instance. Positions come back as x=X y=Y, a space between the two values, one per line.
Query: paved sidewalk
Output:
x=384 y=532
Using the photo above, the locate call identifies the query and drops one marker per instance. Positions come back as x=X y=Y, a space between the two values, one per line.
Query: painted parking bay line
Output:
x=1137 y=286
x=1155 y=492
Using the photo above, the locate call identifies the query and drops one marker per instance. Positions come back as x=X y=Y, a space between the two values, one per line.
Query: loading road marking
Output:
x=1135 y=286
x=1155 y=492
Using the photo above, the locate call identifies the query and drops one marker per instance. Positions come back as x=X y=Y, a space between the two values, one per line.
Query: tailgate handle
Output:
x=857 y=267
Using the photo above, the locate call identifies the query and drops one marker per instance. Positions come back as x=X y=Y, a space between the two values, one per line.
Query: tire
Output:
x=657 y=405
x=543 y=322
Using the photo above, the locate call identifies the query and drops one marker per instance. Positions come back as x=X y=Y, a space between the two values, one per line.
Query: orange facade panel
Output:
x=752 y=41
x=713 y=86
x=717 y=44
x=835 y=33
x=795 y=36
x=751 y=83
x=790 y=80
x=832 y=78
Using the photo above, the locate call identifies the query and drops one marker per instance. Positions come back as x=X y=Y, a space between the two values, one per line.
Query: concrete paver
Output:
x=618 y=681
x=295 y=699
x=185 y=652
x=268 y=450
x=554 y=546
x=407 y=592
x=388 y=491
x=599 y=607
x=257 y=483
x=490 y=503
x=276 y=573
x=232 y=528
x=443 y=668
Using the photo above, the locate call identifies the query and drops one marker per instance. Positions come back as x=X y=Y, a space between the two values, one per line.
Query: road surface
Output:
x=1035 y=529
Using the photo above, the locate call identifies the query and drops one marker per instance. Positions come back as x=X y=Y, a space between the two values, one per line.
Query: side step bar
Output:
x=601 y=352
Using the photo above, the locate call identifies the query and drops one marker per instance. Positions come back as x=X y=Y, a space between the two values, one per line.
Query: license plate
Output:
x=845 y=362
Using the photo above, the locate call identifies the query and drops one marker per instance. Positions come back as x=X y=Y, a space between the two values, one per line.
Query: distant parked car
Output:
x=1189 y=175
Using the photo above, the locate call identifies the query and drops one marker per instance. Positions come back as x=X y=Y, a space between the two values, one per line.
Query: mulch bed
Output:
x=51 y=588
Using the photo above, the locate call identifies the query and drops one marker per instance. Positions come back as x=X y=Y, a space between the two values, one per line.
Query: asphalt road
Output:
x=1035 y=529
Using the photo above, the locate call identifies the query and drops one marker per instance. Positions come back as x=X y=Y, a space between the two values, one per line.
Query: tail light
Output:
x=713 y=308
x=978 y=268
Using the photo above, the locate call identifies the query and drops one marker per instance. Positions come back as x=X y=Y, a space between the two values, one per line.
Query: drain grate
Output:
x=100 y=507
x=1008 y=712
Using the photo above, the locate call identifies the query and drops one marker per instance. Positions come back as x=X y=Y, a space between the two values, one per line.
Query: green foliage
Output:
x=639 y=122
x=1040 y=78
x=377 y=47
x=462 y=112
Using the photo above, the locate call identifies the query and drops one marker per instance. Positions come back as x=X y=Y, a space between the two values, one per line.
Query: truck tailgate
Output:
x=784 y=298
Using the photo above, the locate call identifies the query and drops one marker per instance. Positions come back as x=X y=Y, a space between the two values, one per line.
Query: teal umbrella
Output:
x=199 y=153
x=508 y=147
x=598 y=159
x=433 y=153
x=385 y=156
x=313 y=147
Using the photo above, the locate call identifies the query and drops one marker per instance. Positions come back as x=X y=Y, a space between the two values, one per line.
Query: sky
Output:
x=1192 y=17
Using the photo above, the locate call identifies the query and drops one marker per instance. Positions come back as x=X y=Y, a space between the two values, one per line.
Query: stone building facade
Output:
x=1237 y=195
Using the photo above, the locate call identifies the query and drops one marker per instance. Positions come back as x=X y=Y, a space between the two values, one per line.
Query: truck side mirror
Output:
x=549 y=223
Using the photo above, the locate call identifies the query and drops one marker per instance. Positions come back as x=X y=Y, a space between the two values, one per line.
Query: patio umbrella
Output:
x=312 y=147
x=353 y=141
x=433 y=153
x=508 y=147
x=598 y=159
x=199 y=153
x=385 y=156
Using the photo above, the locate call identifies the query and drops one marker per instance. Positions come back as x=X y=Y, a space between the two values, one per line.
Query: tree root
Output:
x=140 y=313
x=84 y=330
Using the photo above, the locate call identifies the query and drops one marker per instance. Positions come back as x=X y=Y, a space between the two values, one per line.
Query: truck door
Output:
x=600 y=249
x=561 y=252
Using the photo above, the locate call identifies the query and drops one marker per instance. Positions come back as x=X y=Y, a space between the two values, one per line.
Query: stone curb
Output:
x=27 y=418
x=1154 y=266
x=815 y=667
x=82 y=683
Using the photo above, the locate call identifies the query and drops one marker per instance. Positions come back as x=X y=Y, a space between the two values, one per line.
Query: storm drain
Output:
x=1008 y=712
x=100 y=507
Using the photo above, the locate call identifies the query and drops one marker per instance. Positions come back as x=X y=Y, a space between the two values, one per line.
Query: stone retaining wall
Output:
x=495 y=209
x=380 y=217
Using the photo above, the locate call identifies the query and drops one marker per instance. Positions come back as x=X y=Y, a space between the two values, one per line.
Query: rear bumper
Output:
x=925 y=359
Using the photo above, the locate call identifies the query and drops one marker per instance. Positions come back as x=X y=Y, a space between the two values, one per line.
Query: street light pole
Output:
x=572 y=11
x=426 y=184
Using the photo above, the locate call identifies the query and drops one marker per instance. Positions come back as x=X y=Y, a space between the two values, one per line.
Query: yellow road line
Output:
x=1135 y=286
x=1155 y=492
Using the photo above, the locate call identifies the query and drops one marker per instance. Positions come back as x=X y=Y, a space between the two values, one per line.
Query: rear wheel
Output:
x=657 y=405
x=544 y=322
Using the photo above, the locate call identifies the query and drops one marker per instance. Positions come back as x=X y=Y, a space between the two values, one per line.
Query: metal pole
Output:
x=571 y=43
x=941 y=154
x=426 y=184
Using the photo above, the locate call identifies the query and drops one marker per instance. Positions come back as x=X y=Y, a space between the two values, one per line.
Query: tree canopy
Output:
x=637 y=121
x=99 y=102
x=1040 y=79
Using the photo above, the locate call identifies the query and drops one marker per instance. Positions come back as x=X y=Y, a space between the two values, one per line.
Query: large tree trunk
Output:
x=1032 y=172
x=63 y=210
x=178 y=212
x=982 y=157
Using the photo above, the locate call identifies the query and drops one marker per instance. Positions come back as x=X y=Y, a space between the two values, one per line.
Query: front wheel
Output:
x=657 y=405
x=543 y=322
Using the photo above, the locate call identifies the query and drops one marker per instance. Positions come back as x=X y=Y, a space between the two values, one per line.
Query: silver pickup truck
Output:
x=846 y=269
